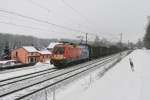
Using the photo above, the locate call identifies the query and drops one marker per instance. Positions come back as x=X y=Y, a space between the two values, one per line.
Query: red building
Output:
x=45 y=55
x=29 y=54
x=26 y=54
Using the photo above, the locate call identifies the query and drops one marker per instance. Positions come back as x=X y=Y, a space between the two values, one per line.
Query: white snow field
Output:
x=119 y=83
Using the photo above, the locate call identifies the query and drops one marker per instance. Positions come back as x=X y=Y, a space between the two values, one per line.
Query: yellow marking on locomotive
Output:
x=58 y=57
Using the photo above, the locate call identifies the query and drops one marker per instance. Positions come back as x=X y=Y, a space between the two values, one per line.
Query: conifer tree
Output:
x=147 y=37
x=7 y=51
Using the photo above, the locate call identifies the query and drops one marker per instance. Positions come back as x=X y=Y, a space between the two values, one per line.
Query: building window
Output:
x=16 y=54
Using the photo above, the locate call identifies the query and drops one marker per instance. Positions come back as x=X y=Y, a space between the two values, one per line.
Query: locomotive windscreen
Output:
x=59 y=50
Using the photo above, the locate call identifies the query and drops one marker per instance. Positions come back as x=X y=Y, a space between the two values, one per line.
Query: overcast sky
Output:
x=106 y=18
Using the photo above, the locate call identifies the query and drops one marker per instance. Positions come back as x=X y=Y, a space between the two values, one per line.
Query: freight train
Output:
x=66 y=53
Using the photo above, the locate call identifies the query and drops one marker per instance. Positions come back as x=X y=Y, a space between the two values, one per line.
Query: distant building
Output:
x=45 y=55
x=29 y=54
x=52 y=45
x=26 y=54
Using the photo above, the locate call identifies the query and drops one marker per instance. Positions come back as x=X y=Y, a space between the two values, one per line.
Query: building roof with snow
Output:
x=45 y=52
x=30 y=49
x=52 y=45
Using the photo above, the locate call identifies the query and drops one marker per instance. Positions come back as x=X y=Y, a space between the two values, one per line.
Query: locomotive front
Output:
x=58 y=57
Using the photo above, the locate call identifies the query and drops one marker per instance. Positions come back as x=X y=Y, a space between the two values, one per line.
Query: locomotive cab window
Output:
x=59 y=50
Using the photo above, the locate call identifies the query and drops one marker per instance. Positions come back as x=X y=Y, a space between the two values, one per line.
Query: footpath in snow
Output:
x=119 y=83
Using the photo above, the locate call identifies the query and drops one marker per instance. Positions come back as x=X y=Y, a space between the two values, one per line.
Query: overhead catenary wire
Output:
x=44 y=8
x=30 y=27
x=19 y=25
x=77 y=12
x=50 y=10
x=39 y=5
x=25 y=26
x=39 y=20
x=81 y=15
x=44 y=21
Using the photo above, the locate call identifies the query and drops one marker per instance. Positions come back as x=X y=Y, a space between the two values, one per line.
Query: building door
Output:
x=32 y=60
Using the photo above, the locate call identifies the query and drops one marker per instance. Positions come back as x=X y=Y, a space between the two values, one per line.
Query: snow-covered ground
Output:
x=36 y=68
x=119 y=83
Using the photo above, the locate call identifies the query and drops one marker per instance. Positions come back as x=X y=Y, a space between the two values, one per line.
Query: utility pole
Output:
x=86 y=37
x=128 y=44
x=81 y=38
x=120 y=39
x=120 y=43
x=148 y=18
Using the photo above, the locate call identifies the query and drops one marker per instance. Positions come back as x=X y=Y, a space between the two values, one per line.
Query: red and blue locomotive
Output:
x=66 y=53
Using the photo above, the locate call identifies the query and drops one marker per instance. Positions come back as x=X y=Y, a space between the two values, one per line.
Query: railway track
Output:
x=20 y=69
x=36 y=81
x=33 y=75
x=25 y=77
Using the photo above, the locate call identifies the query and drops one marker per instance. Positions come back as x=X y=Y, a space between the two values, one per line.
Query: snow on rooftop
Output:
x=45 y=52
x=51 y=45
x=30 y=48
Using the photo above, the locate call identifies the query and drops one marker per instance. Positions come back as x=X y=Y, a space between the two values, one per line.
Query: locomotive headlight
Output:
x=59 y=57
